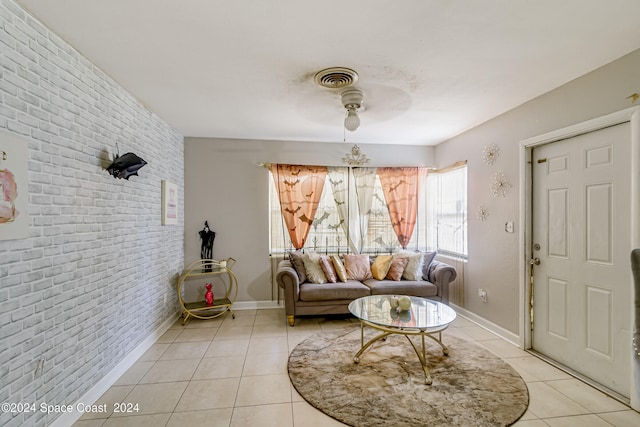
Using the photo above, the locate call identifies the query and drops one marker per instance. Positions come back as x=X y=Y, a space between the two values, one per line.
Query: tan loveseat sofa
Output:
x=308 y=298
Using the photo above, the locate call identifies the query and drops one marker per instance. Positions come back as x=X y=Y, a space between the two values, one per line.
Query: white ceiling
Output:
x=430 y=69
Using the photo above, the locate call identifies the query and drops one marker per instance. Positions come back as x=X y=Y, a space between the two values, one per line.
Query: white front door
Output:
x=581 y=236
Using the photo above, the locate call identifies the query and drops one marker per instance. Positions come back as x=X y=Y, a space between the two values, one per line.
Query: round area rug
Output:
x=471 y=386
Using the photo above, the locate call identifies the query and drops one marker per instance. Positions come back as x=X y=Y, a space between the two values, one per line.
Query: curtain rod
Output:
x=451 y=167
x=431 y=168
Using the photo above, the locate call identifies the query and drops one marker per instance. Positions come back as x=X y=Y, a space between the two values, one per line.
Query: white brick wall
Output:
x=89 y=283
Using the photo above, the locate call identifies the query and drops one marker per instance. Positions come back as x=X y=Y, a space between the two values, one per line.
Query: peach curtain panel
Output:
x=400 y=188
x=299 y=192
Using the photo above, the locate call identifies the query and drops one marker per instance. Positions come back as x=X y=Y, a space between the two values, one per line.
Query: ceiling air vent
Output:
x=336 y=77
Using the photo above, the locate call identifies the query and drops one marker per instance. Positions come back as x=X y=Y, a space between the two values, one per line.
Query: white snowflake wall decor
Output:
x=482 y=213
x=500 y=186
x=490 y=153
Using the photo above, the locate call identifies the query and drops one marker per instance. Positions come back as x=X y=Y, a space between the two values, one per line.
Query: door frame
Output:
x=631 y=115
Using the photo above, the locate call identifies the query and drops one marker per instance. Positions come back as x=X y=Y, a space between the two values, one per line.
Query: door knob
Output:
x=534 y=261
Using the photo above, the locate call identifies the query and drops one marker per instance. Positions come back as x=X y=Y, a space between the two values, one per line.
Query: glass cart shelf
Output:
x=203 y=268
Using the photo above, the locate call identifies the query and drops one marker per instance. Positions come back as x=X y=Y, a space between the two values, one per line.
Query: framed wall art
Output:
x=169 y=203
x=14 y=185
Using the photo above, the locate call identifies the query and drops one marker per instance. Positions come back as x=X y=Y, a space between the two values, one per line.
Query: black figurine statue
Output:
x=206 y=250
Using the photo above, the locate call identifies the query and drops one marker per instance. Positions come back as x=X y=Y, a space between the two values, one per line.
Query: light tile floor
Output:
x=233 y=372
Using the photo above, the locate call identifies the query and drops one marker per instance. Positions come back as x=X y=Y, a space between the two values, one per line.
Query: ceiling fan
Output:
x=344 y=78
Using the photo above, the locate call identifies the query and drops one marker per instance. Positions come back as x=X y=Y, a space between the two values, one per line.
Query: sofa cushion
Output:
x=339 y=266
x=327 y=269
x=380 y=266
x=428 y=259
x=298 y=265
x=349 y=290
x=417 y=288
x=357 y=266
x=312 y=267
x=396 y=269
x=413 y=270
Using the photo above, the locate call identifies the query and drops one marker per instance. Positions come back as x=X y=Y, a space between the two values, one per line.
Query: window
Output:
x=340 y=227
x=447 y=216
x=381 y=237
x=327 y=233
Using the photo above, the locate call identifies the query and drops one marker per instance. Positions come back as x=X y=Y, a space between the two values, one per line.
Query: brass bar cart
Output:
x=203 y=268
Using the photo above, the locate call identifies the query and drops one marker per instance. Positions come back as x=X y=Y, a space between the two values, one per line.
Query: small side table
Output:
x=203 y=268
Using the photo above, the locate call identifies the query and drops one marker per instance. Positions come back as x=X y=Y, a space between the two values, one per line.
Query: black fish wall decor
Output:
x=126 y=165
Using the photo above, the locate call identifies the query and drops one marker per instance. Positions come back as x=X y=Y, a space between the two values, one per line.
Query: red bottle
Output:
x=208 y=295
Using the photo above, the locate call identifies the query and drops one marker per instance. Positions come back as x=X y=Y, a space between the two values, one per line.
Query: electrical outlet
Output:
x=508 y=227
x=482 y=294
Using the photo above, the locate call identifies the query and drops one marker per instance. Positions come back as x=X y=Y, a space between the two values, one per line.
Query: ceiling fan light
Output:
x=352 y=121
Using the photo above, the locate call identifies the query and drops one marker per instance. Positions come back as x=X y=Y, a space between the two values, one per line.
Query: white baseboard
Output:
x=490 y=326
x=90 y=397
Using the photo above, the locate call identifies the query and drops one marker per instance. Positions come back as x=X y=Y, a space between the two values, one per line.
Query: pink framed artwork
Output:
x=169 y=203
x=14 y=184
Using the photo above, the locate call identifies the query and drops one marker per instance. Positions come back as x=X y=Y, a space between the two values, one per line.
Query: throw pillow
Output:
x=413 y=270
x=327 y=268
x=313 y=269
x=357 y=266
x=397 y=268
x=428 y=258
x=340 y=270
x=298 y=265
x=380 y=266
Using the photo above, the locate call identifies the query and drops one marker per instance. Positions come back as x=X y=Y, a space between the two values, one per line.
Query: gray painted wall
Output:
x=493 y=253
x=224 y=186
x=89 y=283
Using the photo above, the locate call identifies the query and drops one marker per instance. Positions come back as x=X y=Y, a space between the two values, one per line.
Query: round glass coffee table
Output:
x=425 y=318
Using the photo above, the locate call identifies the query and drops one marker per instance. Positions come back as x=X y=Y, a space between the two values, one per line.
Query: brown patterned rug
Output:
x=471 y=386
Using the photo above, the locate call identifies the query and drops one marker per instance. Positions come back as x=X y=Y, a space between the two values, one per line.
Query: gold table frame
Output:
x=200 y=269
x=432 y=332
